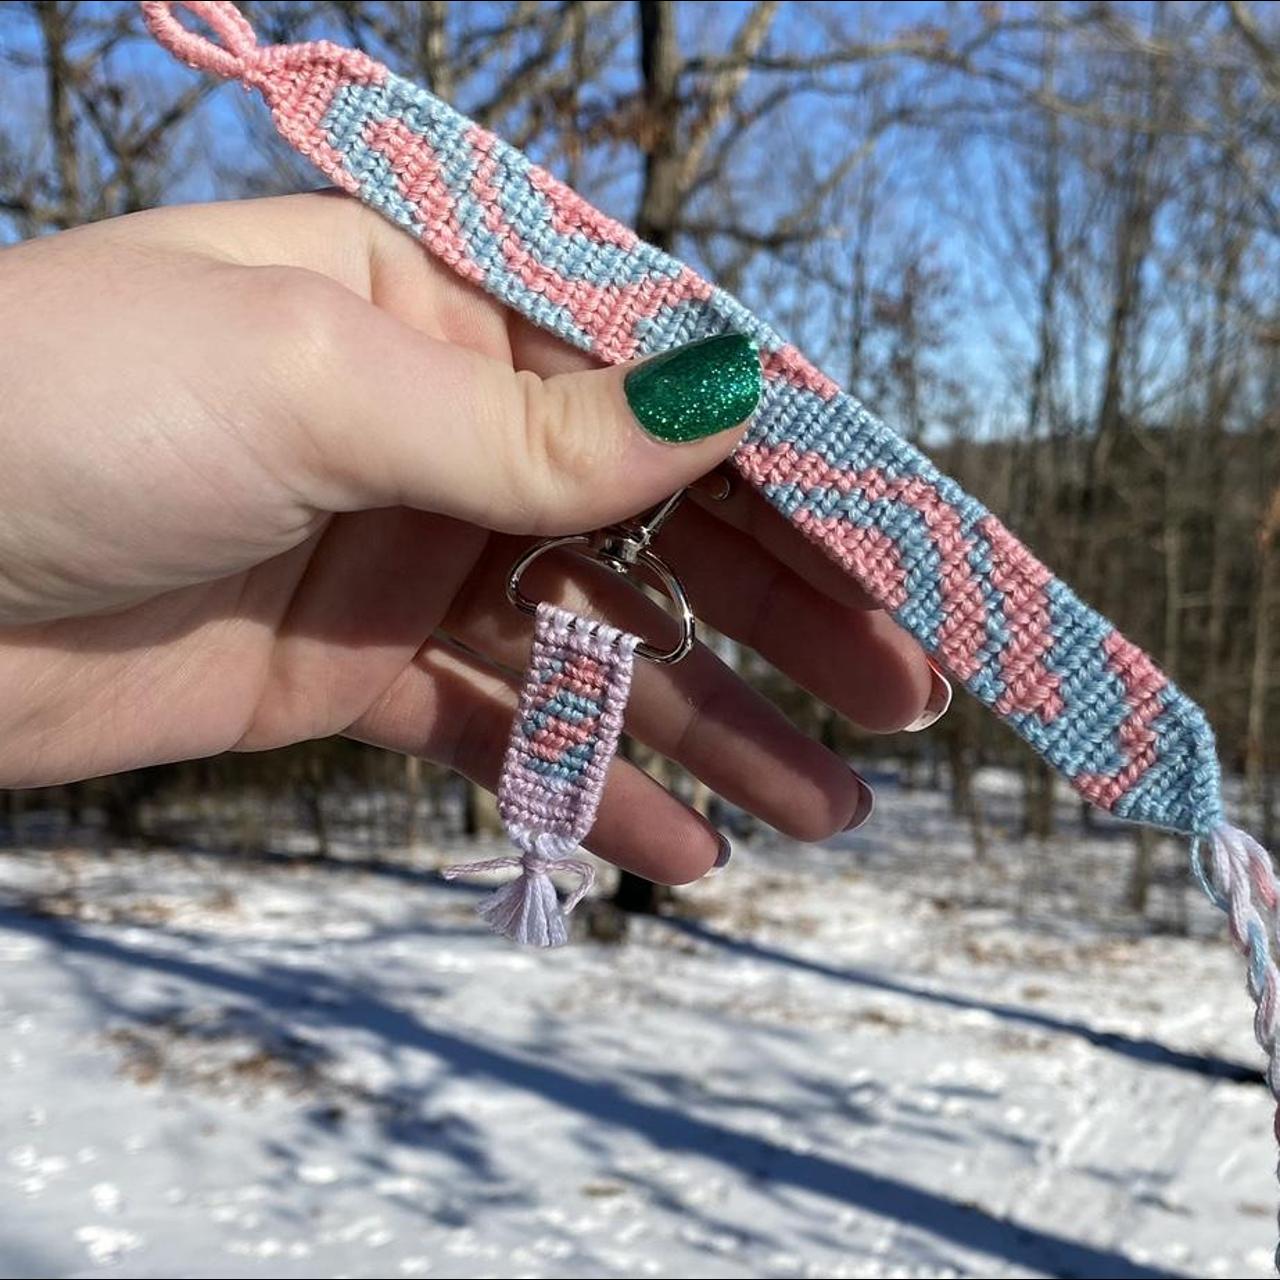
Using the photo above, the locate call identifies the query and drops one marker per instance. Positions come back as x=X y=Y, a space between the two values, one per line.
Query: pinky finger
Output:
x=451 y=707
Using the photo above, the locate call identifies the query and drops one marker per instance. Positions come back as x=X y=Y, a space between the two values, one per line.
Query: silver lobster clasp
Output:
x=624 y=548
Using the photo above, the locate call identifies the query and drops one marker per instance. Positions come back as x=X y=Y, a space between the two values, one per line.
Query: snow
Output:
x=875 y=1058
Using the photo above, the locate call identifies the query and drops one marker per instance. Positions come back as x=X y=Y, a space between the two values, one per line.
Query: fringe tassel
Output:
x=528 y=910
x=1236 y=872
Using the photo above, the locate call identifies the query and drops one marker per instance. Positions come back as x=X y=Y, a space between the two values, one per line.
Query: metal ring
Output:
x=582 y=544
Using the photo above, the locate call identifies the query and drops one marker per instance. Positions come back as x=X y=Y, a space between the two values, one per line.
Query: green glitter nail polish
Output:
x=698 y=390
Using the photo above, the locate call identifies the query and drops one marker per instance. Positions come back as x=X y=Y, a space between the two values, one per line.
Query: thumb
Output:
x=402 y=419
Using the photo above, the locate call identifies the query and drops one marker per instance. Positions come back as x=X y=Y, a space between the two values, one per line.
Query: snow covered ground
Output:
x=870 y=1059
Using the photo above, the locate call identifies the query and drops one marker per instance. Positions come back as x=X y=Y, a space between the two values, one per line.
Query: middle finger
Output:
x=696 y=712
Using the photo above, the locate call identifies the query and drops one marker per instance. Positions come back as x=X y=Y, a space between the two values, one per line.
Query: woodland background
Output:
x=1042 y=239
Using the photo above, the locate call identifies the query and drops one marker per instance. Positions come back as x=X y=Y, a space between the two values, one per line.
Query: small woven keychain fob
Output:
x=564 y=735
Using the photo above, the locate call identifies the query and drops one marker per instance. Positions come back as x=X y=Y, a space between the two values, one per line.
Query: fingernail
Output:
x=724 y=854
x=866 y=804
x=939 y=701
x=696 y=390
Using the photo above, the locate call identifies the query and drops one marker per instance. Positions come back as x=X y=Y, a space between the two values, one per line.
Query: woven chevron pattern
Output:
x=1086 y=699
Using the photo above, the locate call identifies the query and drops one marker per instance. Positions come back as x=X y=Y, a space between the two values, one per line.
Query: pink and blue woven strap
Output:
x=1090 y=702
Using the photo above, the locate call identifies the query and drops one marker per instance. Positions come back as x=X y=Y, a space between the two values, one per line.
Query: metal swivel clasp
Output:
x=623 y=548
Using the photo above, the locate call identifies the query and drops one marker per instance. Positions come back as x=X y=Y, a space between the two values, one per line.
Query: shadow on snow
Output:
x=285 y=988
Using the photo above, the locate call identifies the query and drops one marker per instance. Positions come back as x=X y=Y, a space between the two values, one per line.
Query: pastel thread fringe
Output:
x=564 y=735
x=1088 y=700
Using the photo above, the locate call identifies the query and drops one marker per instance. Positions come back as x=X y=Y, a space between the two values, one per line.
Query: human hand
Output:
x=266 y=466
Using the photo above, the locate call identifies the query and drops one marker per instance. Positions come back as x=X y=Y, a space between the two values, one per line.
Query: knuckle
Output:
x=476 y=749
x=565 y=451
x=290 y=327
x=305 y=317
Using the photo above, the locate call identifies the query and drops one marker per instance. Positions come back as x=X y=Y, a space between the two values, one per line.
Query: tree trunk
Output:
x=313 y=799
x=1255 y=761
x=960 y=760
x=55 y=30
x=1038 y=815
x=433 y=53
x=659 y=68
x=412 y=801
x=1138 y=891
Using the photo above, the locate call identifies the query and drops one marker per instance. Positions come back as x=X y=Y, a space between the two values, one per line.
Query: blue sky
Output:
x=948 y=196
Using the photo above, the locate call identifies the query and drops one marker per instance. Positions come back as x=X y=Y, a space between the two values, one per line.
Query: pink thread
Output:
x=581 y=673
x=1143 y=682
x=869 y=554
x=417 y=170
x=562 y=735
x=571 y=214
x=608 y=313
x=1021 y=580
x=298 y=81
x=228 y=59
x=789 y=366
x=964 y=626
